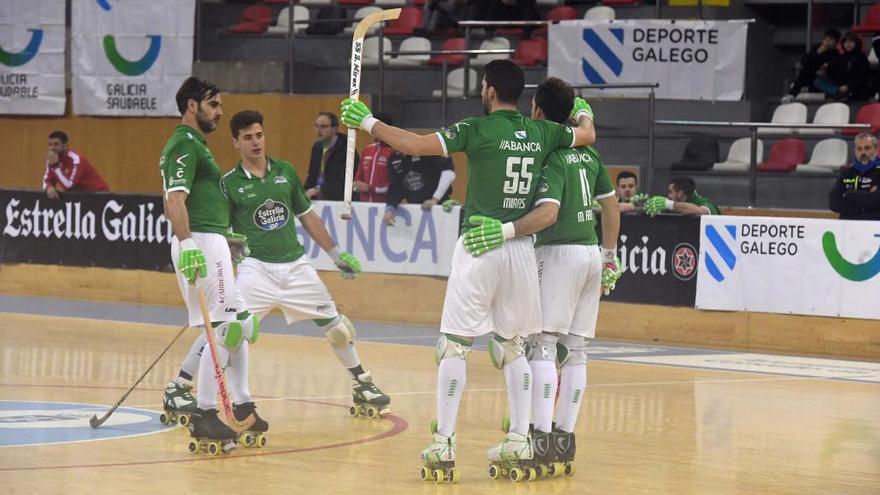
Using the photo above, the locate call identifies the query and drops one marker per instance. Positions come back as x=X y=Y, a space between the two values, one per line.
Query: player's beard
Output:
x=487 y=107
x=206 y=125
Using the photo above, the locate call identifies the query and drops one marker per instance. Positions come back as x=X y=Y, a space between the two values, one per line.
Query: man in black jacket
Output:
x=856 y=194
x=817 y=60
x=326 y=179
x=424 y=180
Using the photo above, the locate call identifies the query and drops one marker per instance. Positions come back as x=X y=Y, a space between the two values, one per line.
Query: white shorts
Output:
x=496 y=292
x=223 y=299
x=571 y=281
x=293 y=287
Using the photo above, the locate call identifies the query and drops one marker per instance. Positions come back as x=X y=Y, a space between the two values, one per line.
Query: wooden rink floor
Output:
x=643 y=429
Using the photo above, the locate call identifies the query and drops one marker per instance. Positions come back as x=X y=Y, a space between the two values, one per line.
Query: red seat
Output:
x=784 y=156
x=449 y=44
x=562 y=13
x=530 y=52
x=253 y=19
x=868 y=114
x=355 y=3
x=871 y=22
x=417 y=3
x=410 y=18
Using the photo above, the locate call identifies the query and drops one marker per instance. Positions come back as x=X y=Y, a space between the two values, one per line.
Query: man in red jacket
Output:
x=372 y=179
x=67 y=170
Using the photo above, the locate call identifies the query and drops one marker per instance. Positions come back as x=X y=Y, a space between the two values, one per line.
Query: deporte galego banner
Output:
x=131 y=231
x=790 y=265
x=129 y=58
x=689 y=59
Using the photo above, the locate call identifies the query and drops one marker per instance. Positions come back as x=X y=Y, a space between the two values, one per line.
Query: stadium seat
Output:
x=326 y=13
x=739 y=156
x=391 y=3
x=315 y=2
x=276 y=2
x=449 y=44
x=410 y=18
x=300 y=13
x=599 y=13
x=371 y=50
x=828 y=156
x=254 y=19
x=415 y=44
x=868 y=114
x=562 y=13
x=531 y=52
x=785 y=155
x=787 y=113
x=360 y=14
x=829 y=113
x=455 y=83
x=871 y=22
x=699 y=154
x=496 y=43
x=417 y=3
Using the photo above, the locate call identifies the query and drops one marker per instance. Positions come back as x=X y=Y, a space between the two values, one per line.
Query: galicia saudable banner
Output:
x=32 y=57
x=691 y=60
x=801 y=266
x=129 y=58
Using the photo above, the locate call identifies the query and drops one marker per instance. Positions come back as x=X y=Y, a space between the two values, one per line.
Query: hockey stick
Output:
x=95 y=421
x=218 y=370
x=357 y=51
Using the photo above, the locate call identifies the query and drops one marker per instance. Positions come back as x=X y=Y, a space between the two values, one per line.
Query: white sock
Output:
x=207 y=384
x=573 y=381
x=190 y=363
x=543 y=394
x=451 y=379
x=237 y=374
x=518 y=376
x=347 y=355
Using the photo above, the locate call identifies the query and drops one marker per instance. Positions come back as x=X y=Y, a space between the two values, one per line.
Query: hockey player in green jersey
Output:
x=496 y=293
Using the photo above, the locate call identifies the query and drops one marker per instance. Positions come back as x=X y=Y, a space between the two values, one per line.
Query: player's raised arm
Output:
x=585 y=132
x=357 y=114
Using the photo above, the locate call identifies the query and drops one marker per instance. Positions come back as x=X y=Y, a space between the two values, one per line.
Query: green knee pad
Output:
x=250 y=326
x=229 y=334
x=503 y=351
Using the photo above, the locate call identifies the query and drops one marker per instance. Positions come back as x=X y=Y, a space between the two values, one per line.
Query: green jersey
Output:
x=704 y=202
x=573 y=178
x=261 y=209
x=506 y=152
x=187 y=165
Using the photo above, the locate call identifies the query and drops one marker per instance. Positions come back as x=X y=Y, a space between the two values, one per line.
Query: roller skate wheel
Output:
x=439 y=476
x=454 y=475
x=248 y=439
x=261 y=441
x=353 y=410
x=530 y=474
x=183 y=419
x=494 y=472
x=424 y=474
x=372 y=412
x=362 y=410
x=543 y=470
x=193 y=446
x=214 y=448
x=516 y=475
x=163 y=418
x=569 y=469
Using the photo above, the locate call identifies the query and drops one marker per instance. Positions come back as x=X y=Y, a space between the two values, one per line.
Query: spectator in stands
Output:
x=855 y=194
x=849 y=76
x=681 y=197
x=371 y=179
x=627 y=189
x=425 y=180
x=439 y=15
x=815 y=63
x=326 y=179
x=67 y=170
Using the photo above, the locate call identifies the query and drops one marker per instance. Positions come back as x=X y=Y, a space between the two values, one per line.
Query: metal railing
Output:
x=753 y=135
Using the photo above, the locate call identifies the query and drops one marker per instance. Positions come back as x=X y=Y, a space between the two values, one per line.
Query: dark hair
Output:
x=243 y=120
x=507 y=79
x=855 y=38
x=385 y=117
x=334 y=120
x=832 y=33
x=626 y=174
x=194 y=89
x=684 y=184
x=555 y=98
x=59 y=135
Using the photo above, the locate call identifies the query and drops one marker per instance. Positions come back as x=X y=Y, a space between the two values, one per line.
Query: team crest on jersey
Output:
x=449 y=133
x=520 y=134
x=271 y=215
x=280 y=179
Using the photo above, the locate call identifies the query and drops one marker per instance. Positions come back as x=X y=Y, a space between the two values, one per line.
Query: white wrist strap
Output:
x=670 y=204
x=608 y=254
x=368 y=123
x=508 y=231
x=334 y=253
x=187 y=244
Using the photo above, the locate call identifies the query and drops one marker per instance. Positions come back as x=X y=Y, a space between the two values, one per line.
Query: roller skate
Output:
x=368 y=400
x=439 y=459
x=545 y=455
x=255 y=436
x=209 y=434
x=564 y=449
x=513 y=458
x=179 y=404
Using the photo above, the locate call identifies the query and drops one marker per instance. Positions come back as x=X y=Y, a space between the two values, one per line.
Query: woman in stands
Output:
x=849 y=76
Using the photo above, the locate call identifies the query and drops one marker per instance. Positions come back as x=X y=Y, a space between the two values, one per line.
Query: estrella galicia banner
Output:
x=691 y=60
x=802 y=266
x=129 y=58
x=32 y=57
x=659 y=260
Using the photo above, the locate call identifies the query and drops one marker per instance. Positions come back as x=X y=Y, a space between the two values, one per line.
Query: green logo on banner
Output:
x=137 y=67
x=857 y=272
x=24 y=56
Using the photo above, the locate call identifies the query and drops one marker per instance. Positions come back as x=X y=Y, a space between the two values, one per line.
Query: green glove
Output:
x=191 y=262
x=611 y=270
x=639 y=199
x=238 y=247
x=594 y=205
x=357 y=114
x=581 y=107
x=449 y=204
x=348 y=265
x=656 y=204
x=487 y=234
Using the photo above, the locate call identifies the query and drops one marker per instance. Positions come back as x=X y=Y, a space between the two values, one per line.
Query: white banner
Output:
x=32 y=57
x=789 y=265
x=420 y=243
x=689 y=59
x=129 y=58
